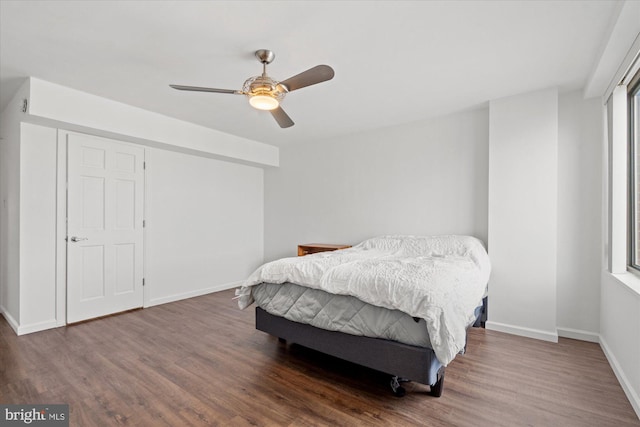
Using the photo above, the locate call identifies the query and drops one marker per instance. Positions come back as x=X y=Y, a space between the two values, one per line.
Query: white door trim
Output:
x=61 y=229
x=146 y=293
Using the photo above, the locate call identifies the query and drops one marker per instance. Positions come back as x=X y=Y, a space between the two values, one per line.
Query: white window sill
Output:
x=630 y=279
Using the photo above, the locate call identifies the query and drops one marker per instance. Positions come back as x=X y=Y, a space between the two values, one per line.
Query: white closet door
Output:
x=104 y=229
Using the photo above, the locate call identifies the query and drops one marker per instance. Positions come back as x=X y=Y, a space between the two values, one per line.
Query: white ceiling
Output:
x=395 y=62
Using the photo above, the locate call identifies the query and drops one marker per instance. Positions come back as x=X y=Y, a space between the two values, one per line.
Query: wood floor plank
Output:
x=200 y=362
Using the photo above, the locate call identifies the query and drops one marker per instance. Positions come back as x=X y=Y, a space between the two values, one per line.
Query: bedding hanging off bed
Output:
x=441 y=279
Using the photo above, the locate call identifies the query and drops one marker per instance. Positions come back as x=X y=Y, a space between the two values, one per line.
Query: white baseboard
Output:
x=197 y=293
x=37 y=327
x=12 y=322
x=521 y=331
x=578 y=334
x=632 y=394
x=27 y=329
x=50 y=324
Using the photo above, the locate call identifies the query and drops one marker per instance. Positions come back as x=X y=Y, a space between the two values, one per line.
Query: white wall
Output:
x=432 y=177
x=10 y=207
x=579 y=216
x=205 y=215
x=38 y=222
x=423 y=178
x=204 y=225
x=620 y=334
x=82 y=111
x=523 y=171
x=620 y=293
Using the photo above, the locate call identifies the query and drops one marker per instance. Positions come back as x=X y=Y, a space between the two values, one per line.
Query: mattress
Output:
x=341 y=313
x=441 y=279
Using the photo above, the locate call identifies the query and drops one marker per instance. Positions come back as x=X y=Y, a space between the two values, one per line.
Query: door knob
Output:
x=77 y=239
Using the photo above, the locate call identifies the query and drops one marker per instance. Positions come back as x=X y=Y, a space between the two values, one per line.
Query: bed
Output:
x=397 y=304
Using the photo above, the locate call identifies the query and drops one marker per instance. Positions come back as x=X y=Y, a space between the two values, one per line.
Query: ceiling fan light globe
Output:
x=264 y=102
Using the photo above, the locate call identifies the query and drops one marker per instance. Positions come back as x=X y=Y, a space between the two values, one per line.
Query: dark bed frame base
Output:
x=397 y=359
x=404 y=362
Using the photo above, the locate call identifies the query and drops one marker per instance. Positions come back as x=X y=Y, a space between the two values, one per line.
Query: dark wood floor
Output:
x=201 y=362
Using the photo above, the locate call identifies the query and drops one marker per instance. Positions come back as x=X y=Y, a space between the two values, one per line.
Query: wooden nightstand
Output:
x=312 y=248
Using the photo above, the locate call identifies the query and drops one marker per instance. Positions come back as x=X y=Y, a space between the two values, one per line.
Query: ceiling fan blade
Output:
x=206 y=89
x=282 y=118
x=317 y=74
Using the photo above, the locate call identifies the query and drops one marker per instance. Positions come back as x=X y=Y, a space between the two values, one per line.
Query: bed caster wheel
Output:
x=399 y=392
x=396 y=388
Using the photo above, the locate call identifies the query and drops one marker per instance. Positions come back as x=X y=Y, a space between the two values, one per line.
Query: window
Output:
x=633 y=104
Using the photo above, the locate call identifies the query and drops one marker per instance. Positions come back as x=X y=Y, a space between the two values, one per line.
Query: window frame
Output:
x=633 y=132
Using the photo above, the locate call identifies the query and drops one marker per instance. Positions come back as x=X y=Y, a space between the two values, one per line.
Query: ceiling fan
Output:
x=264 y=93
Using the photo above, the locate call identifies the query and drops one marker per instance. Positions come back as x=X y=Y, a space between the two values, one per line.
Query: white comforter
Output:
x=441 y=279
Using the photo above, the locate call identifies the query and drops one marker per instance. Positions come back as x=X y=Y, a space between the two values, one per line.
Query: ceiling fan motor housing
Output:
x=265 y=86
